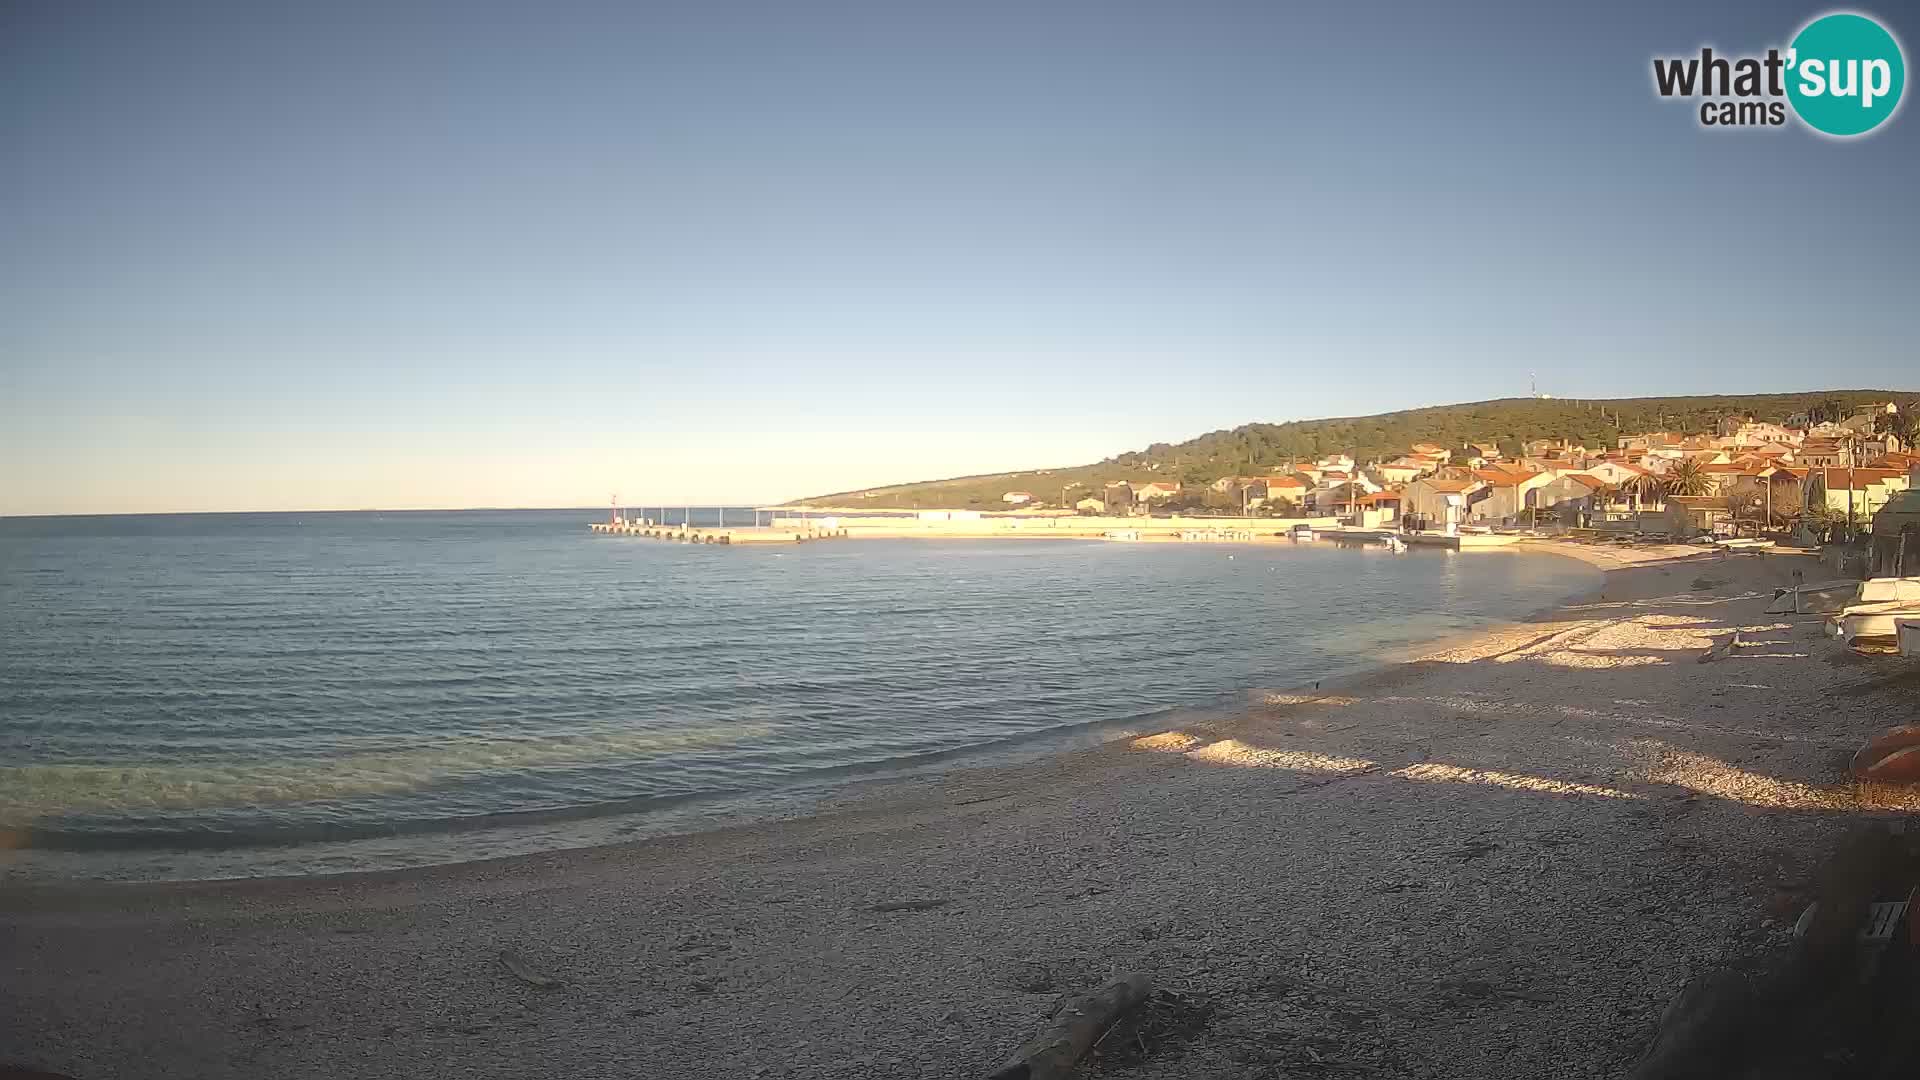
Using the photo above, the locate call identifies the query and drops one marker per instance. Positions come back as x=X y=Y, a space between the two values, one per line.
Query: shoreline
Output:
x=128 y=866
x=749 y=809
x=1568 y=809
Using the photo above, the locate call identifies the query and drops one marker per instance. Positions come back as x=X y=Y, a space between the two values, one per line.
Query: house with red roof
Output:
x=1403 y=469
x=1378 y=509
x=1576 y=491
x=1820 y=454
x=1508 y=496
x=1863 y=489
x=1722 y=474
x=1617 y=473
x=1776 y=488
x=1291 y=488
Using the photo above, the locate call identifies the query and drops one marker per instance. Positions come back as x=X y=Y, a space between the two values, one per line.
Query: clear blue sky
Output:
x=259 y=256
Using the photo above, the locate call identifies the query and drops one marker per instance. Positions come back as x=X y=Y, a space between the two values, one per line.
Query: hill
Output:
x=1260 y=448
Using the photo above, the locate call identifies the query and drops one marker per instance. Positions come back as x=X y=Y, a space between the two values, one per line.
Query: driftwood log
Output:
x=1074 y=1029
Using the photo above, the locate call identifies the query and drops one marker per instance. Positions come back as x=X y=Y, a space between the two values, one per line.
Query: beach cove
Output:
x=1500 y=858
x=200 y=697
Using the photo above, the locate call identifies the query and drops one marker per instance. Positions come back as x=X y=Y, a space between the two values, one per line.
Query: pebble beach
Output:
x=1502 y=857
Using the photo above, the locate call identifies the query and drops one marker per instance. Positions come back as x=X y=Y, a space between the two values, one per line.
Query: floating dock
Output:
x=1369 y=537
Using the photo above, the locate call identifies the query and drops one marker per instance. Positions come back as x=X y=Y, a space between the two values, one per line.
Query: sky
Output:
x=354 y=255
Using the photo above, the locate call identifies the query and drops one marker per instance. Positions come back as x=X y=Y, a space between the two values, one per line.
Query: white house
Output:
x=1871 y=489
x=1291 y=488
x=1580 y=489
x=1440 y=499
x=1402 y=470
x=1508 y=494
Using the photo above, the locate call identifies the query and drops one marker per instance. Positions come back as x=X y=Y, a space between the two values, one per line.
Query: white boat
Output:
x=1875 y=623
x=1744 y=544
x=1881 y=589
x=1300 y=534
x=1395 y=544
x=1907 y=634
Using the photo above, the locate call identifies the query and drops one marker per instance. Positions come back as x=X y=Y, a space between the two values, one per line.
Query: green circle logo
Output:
x=1845 y=74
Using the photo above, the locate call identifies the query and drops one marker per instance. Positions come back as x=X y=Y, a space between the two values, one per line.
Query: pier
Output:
x=681 y=534
x=711 y=525
x=748 y=525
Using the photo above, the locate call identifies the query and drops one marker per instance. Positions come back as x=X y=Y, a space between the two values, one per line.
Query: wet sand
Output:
x=1502 y=858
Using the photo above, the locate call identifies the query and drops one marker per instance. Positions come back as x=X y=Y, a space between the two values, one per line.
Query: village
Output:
x=1819 y=478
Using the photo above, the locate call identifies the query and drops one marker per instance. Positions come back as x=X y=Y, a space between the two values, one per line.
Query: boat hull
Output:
x=1885 y=590
x=1876 y=625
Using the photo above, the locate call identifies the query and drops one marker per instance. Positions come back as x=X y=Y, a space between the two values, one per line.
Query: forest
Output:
x=1258 y=449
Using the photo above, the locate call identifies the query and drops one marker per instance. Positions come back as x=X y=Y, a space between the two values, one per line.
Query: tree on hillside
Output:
x=1687 y=477
x=1905 y=426
x=1258 y=448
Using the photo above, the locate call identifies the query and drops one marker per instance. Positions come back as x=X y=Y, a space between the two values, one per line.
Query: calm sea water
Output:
x=389 y=688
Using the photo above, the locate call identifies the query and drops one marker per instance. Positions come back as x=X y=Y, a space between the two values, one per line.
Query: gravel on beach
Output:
x=1500 y=859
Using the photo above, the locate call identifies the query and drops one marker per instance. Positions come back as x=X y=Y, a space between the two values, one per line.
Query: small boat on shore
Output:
x=1874 y=626
x=1881 y=589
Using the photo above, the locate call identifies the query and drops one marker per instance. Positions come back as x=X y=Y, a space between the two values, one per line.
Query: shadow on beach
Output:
x=1502 y=859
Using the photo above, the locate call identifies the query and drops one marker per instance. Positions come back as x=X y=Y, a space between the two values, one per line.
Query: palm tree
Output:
x=1688 y=477
x=1646 y=488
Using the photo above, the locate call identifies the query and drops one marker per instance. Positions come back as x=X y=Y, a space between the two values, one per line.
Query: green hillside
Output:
x=1258 y=448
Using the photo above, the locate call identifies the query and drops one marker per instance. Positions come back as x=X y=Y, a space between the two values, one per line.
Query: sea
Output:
x=230 y=695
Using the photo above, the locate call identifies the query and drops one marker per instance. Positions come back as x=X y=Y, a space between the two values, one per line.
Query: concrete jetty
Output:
x=779 y=525
x=731 y=537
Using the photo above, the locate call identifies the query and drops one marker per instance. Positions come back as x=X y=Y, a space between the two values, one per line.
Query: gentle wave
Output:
x=250 y=679
x=31 y=792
